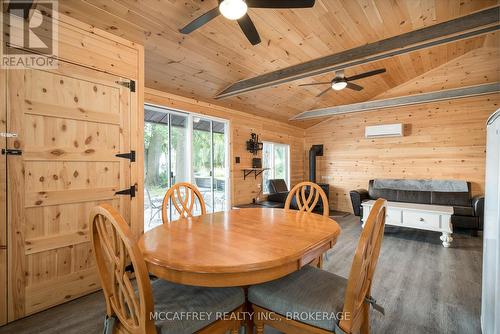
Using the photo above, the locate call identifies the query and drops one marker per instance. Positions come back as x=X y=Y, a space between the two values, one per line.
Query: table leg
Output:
x=446 y=238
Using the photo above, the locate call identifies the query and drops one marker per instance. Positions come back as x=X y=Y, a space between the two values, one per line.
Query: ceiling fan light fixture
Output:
x=233 y=9
x=339 y=85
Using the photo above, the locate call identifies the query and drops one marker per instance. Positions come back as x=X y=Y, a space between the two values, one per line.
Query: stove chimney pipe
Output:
x=316 y=150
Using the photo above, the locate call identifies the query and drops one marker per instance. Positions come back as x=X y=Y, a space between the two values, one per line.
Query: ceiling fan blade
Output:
x=316 y=83
x=366 y=74
x=200 y=21
x=249 y=29
x=353 y=86
x=280 y=3
x=324 y=92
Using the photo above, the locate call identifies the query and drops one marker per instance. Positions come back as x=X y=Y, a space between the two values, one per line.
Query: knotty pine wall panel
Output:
x=444 y=140
x=241 y=126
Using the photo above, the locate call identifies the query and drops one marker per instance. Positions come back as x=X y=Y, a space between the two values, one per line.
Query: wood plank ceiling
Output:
x=201 y=64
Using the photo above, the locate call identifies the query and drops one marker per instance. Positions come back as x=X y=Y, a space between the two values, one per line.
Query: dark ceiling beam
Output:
x=441 y=95
x=464 y=27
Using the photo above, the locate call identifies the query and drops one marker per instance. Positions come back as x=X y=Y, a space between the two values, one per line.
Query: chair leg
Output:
x=258 y=322
x=259 y=328
x=236 y=326
x=365 y=326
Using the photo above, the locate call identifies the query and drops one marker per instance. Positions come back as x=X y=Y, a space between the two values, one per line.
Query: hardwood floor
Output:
x=424 y=287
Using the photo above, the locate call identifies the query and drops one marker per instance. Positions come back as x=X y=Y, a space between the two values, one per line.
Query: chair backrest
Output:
x=182 y=197
x=114 y=249
x=362 y=269
x=307 y=195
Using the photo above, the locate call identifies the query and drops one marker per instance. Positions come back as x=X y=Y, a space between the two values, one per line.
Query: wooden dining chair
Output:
x=130 y=307
x=307 y=195
x=183 y=197
x=301 y=301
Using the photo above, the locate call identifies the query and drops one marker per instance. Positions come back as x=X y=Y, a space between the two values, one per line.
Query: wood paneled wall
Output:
x=443 y=140
x=242 y=125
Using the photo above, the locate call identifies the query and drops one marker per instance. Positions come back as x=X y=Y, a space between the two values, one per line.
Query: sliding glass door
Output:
x=166 y=158
x=210 y=170
x=183 y=147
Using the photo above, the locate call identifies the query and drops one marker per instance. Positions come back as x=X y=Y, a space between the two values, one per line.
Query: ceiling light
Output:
x=233 y=9
x=339 y=85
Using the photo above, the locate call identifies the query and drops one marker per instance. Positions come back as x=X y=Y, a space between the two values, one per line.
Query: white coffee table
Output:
x=435 y=218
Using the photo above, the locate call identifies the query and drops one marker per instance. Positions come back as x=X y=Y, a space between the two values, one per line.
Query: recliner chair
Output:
x=278 y=191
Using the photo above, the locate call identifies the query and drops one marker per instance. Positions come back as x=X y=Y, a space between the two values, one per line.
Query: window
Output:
x=276 y=157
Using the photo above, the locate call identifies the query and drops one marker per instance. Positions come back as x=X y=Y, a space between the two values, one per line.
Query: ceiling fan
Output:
x=236 y=10
x=341 y=81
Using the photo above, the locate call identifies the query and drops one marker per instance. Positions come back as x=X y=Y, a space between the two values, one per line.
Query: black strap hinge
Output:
x=130 y=156
x=128 y=84
x=130 y=191
x=377 y=307
x=11 y=151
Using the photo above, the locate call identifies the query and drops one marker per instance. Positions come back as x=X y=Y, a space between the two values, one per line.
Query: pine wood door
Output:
x=71 y=124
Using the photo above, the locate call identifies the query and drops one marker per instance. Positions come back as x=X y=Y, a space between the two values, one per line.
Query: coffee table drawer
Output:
x=394 y=216
x=421 y=220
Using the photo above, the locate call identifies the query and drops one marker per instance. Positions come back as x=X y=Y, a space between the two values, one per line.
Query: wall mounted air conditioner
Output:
x=386 y=130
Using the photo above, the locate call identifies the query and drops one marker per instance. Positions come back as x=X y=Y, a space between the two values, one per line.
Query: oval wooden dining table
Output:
x=239 y=247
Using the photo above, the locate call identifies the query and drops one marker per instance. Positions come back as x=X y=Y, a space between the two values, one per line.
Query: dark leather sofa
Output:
x=468 y=210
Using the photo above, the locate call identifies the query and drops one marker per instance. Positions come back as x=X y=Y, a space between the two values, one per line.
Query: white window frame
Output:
x=272 y=164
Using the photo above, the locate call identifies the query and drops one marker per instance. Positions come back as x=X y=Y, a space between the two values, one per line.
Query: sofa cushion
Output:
x=420 y=197
x=307 y=290
x=172 y=297
x=451 y=198
x=463 y=211
x=389 y=194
